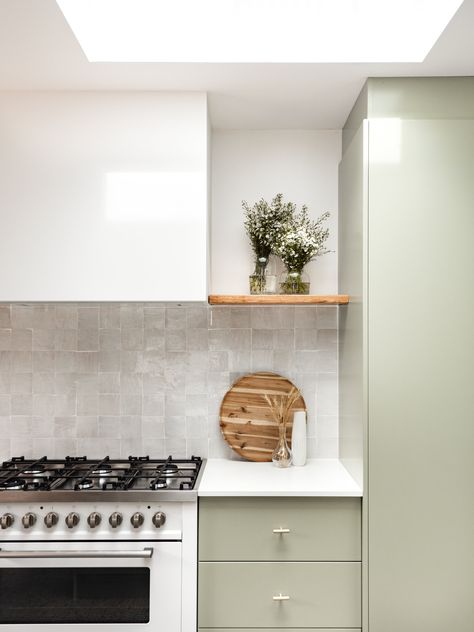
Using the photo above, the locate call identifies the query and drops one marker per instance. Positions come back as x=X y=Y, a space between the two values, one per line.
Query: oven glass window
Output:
x=74 y=595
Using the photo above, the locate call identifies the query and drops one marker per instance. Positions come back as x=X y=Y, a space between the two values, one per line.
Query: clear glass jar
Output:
x=294 y=282
x=281 y=456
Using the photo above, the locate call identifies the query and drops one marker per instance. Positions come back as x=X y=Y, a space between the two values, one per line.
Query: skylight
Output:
x=257 y=31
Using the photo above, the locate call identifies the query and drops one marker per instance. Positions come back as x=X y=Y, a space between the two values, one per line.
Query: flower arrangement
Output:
x=278 y=228
x=262 y=223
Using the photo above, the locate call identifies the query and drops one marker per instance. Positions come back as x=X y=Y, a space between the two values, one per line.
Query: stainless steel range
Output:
x=91 y=543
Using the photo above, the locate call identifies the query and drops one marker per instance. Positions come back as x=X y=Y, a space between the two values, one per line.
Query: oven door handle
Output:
x=144 y=553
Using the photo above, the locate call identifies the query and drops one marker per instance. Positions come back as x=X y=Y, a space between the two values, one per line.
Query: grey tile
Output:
x=43 y=339
x=109 y=404
x=131 y=316
x=64 y=427
x=5 y=405
x=154 y=340
x=5 y=383
x=327 y=316
x=197 y=446
x=196 y=426
x=65 y=383
x=327 y=394
x=22 y=383
x=22 y=404
x=262 y=360
x=87 y=403
x=229 y=339
x=110 y=339
x=22 y=361
x=5 y=361
x=197 y=317
x=195 y=361
x=64 y=446
x=130 y=404
x=109 y=426
x=45 y=361
x=88 y=318
x=42 y=427
x=109 y=382
x=306 y=339
x=65 y=405
x=154 y=405
x=109 y=360
x=87 y=383
x=153 y=427
x=197 y=339
x=284 y=339
x=196 y=383
x=262 y=339
x=5 y=316
x=240 y=317
x=153 y=383
x=44 y=405
x=240 y=361
x=307 y=361
x=22 y=339
x=175 y=404
x=43 y=382
x=132 y=339
x=153 y=361
x=175 y=318
x=218 y=360
x=87 y=426
x=220 y=317
x=88 y=340
x=109 y=317
x=306 y=317
x=153 y=446
x=65 y=339
x=131 y=428
x=154 y=317
x=327 y=361
x=87 y=361
x=327 y=340
x=130 y=361
x=284 y=362
x=175 y=340
x=131 y=383
x=66 y=317
x=44 y=317
x=175 y=426
x=22 y=316
x=175 y=446
x=196 y=405
x=272 y=317
x=5 y=339
x=20 y=426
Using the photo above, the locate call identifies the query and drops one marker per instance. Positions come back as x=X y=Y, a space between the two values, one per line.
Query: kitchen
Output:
x=101 y=354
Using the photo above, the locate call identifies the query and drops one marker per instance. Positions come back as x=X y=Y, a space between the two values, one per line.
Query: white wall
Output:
x=248 y=165
x=103 y=196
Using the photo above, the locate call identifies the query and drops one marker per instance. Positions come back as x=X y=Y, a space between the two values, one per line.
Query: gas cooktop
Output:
x=51 y=478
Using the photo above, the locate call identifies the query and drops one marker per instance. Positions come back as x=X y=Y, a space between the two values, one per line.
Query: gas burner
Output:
x=34 y=469
x=159 y=483
x=170 y=469
x=13 y=484
x=105 y=468
x=87 y=483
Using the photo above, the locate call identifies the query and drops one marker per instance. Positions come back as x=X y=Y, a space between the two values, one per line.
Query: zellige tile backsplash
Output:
x=123 y=379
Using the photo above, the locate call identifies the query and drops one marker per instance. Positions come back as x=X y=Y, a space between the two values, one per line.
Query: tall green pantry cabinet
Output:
x=406 y=347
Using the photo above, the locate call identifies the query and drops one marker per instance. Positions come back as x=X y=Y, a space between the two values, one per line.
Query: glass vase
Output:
x=281 y=456
x=257 y=280
x=294 y=282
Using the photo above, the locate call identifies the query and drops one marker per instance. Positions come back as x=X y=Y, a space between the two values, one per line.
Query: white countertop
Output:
x=319 y=477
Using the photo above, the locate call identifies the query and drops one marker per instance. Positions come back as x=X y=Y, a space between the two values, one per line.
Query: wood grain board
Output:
x=278 y=299
x=246 y=419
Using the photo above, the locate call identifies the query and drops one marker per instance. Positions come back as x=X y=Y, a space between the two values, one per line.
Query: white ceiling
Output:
x=39 y=52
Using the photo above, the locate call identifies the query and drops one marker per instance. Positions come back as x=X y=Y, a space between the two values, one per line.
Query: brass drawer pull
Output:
x=281 y=597
x=281 y=530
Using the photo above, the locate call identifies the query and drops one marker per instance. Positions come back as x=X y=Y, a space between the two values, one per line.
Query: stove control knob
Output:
x=72 y=520
x=28 y=520
x=115 y=519
x=94 y=519
x=7 y=520
x=51 y=519
x=159 y=519
x=137 y=520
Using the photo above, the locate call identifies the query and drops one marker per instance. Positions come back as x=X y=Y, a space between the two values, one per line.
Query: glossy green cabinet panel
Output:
x=240 y=594
x=242 y=529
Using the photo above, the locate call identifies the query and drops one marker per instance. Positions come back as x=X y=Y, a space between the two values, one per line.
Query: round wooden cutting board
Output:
x=246 y=418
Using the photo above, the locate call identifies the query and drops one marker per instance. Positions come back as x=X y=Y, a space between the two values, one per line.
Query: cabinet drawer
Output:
x=240 y=594
x=242 y=529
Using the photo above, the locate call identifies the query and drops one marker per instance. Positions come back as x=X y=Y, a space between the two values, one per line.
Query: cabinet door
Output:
x=279 y=594
x=421 y=375
x=103 y=196
x=279 y=529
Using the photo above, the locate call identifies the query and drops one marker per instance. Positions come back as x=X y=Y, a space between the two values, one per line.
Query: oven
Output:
x=90 y=546
x=89 y=586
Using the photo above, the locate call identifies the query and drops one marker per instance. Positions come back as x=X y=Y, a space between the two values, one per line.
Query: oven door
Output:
x=84 y=586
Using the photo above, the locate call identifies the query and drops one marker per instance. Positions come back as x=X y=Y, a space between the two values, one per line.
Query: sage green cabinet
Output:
x=406 y=347
x=281 y=563
x=279 y=529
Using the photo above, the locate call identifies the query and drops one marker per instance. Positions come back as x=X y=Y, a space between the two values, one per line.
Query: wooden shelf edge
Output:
x=278 y=299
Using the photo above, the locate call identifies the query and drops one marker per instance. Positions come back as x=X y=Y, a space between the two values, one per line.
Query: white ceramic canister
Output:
x=298 y=438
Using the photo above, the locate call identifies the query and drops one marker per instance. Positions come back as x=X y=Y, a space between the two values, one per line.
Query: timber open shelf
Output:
x=278 y=299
